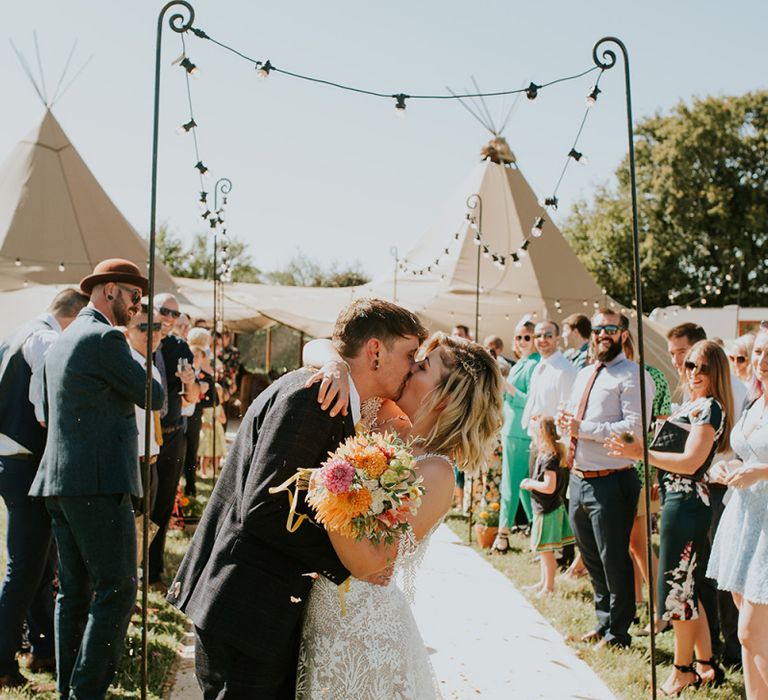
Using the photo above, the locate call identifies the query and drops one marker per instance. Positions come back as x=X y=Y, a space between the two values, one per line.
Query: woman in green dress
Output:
x=516 y=442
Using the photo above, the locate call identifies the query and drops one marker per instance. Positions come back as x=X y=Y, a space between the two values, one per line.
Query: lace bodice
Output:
x=375 y=650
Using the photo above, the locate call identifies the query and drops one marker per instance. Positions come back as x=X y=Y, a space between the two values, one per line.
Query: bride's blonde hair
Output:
x=469 y=398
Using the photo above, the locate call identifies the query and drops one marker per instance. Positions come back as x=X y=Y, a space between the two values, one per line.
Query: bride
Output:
x=361 y=640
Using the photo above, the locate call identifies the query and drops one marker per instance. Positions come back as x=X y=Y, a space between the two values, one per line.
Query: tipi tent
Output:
x=56 y=221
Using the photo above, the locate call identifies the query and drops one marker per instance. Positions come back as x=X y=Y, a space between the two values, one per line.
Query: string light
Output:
x=592 y=97
x=17 y=262
x=61 y=267
x=201 y=167
x=206 y=214
x=576 y=155
x=519 y=298
x=400 y=103
x=190 y=67
x=549 y=202
x=538 y=226
x=532 y=91
x=187 y=127
x=263 y=69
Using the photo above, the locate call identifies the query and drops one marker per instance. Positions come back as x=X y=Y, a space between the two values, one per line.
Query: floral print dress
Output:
x=685 y=520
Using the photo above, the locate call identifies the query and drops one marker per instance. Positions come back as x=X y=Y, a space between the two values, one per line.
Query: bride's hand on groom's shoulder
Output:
x=334 y=387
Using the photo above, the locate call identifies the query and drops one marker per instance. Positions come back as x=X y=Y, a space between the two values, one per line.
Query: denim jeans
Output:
x=27 y=590
x=602 y=511
x=96 y=537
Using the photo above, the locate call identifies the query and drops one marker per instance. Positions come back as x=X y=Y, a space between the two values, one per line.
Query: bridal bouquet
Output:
x=366 y=488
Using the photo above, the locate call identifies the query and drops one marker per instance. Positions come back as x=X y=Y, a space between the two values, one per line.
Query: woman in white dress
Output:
x=452 y=405
x=739 y=560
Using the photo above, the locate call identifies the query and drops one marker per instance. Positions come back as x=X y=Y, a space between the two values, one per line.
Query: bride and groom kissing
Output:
x=264 y=601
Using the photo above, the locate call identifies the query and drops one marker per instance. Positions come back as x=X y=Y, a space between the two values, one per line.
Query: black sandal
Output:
x=683 y=669
x=719 y=673
x=501 y=537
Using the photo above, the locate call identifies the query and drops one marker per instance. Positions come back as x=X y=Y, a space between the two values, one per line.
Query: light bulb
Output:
x=17 y=262
x=61 y=267
x=532 y=91
x=400 y=104
x=262 y=70
x=592 y=97
x=538 y=227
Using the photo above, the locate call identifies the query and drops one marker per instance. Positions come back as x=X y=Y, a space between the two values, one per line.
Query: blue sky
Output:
x=336 y=175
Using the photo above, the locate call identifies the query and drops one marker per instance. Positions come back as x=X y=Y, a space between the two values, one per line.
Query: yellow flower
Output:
x=494 y=506
x=484 y=515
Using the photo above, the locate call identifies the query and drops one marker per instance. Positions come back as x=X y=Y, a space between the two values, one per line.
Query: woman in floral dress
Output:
x=686 y=512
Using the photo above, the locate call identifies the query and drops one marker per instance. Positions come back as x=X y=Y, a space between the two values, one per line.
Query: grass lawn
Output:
x=165 y=629
x=570 y=611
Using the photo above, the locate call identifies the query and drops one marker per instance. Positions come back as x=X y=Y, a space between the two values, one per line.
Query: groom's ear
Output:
x=372 y=350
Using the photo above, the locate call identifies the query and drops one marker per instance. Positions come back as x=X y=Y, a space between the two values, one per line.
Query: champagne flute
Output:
x=182 y=366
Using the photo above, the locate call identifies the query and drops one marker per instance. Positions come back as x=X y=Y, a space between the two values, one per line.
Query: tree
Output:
x=303 y=272
x=702 y=179
x=195 y=260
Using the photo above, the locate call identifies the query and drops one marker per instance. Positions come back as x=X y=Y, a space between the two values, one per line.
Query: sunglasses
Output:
x=144 y=327
x=702 y=368
x=738 y=359
x=608 y=330
x=165 y=311
x=522 y=337
x=546 y=335
x=135 y=293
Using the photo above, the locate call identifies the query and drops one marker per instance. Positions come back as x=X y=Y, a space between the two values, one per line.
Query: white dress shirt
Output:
x=550 y=385
x=354 y=402
x=154 y=448
x=613 y=407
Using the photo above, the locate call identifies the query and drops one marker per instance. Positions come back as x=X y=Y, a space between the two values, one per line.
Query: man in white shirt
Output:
x=27 y=589
x=551 y=380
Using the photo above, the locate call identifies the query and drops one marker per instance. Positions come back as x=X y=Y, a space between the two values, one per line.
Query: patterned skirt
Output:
x=551 y=531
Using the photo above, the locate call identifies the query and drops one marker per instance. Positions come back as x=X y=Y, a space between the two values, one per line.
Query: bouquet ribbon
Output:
x=300 y=480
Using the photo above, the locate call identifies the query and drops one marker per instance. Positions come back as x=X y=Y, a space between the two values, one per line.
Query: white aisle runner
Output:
x=485 y=639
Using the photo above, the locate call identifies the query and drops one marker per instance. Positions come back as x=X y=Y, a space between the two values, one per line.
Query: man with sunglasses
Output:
x=722 y=614
x=88 y=473
x=136 y=334
x=604 y=490
x=170 y=460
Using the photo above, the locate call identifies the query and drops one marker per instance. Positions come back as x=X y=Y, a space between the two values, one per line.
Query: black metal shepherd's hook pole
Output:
x=475 y=201
x=607 y=60
x=178 y=24
x=223 y=185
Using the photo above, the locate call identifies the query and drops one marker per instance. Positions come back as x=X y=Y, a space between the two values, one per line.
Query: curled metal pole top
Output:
x=607 y=59
x=223 y=185
x=176 y=21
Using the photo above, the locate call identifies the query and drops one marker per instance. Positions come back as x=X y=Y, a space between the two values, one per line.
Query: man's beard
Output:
x=609 y=354
x=121 y=312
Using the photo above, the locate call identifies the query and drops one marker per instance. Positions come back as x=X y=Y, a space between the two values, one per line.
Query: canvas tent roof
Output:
x=53 y=210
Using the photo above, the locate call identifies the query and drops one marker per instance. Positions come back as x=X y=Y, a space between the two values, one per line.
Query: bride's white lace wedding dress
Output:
x=375 y=651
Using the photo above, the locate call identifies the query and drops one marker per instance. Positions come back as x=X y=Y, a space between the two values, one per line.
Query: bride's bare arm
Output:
x=362 y=558
x=333 y=375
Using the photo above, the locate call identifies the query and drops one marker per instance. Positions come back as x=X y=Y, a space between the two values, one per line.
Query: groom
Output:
x=245 y=579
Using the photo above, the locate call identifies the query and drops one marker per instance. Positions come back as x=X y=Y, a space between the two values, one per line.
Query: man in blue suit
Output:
x=87 y=475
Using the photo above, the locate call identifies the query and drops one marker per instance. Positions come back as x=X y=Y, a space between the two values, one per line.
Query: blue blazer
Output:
x=93 y=385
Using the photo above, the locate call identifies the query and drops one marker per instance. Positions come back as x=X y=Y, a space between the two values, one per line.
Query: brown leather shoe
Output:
x=13 y=680
x=42 y=664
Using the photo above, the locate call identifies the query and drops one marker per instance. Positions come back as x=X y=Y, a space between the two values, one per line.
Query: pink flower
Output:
x=337 y=475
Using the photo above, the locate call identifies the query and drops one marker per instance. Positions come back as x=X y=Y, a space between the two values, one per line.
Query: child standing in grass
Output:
x=551 y=530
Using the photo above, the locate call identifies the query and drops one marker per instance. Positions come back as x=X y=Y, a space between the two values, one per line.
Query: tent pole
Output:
x=607 y=61
x=179 y=25
x=268 y=351
x=301 y=348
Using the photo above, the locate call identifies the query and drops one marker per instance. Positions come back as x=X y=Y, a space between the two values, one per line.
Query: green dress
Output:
x=516 y=443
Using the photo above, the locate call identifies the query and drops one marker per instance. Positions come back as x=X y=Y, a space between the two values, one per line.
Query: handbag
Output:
x=670 y=437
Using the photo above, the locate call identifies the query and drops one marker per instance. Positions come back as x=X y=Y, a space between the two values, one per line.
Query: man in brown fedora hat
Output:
x=88 y=473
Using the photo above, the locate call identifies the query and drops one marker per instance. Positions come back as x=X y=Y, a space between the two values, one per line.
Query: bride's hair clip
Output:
x=468 y=365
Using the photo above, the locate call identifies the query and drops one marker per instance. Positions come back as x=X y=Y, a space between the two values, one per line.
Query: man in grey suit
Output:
x=87 y=475
x=245 y=579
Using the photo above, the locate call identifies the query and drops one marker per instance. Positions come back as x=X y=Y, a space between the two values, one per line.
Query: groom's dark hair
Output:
x=364 y=319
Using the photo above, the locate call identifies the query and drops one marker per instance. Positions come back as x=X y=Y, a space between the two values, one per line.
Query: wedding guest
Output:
x=686 y=512
x=178 y=380
x=551 y=380
x=461 y=331
x=604 y=489
x=739 y=558
x=211 y=451
x=199 y=343
x=182 y=326
x=27 y=590
x=739 y=355
x=229 y=356
x=495 y=345
x=723 y=616
x=638 y=540
x=136 y=334
x=547 y=485
x=88 y=473
x=576 y=331
x=516 y=443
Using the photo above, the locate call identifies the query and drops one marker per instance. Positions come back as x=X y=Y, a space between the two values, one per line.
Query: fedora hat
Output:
x=114 y=270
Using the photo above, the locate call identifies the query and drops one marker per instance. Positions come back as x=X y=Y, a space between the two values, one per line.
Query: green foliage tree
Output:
x=195 y=260
x=702 y=178
x=300 y=271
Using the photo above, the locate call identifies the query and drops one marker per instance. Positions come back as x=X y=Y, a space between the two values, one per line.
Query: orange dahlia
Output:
x=373 y=461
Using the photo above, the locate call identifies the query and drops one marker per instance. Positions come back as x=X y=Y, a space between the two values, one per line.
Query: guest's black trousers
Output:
x=602 y=511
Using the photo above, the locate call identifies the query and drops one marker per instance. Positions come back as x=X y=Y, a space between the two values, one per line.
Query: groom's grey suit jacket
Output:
x=244 y=578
